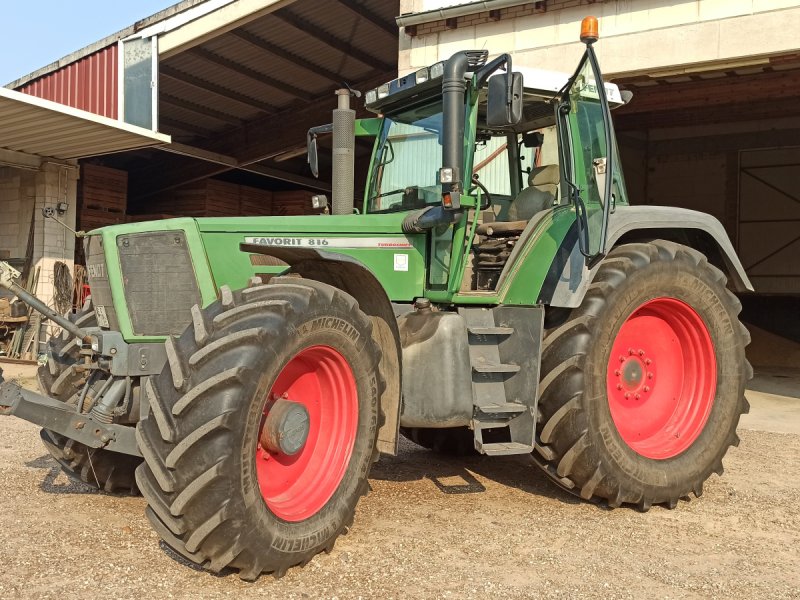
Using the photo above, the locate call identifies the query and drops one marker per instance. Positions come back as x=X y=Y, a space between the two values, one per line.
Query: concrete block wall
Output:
x=23 y=194
x=17 y=196
x=637 y=36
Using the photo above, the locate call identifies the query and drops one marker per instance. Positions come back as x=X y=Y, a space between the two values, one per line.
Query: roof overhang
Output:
x=33 y=126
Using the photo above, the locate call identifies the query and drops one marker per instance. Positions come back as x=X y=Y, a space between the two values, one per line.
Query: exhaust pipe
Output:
x=344 y=142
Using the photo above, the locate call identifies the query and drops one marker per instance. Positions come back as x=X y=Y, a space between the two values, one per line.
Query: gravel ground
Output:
x=433 y=527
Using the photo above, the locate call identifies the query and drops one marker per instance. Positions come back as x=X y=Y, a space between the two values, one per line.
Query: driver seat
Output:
x=541 y=194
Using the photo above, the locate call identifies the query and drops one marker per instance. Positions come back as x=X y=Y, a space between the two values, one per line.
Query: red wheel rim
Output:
x=296 y=487
x=662 y=378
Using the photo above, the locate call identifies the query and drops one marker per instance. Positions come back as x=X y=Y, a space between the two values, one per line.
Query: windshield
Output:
x=407 y=161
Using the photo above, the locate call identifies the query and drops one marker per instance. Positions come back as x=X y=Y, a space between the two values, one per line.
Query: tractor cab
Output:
x=478 y=155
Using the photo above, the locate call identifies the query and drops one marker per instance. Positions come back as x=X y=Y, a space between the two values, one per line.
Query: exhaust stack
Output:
x=344 y=141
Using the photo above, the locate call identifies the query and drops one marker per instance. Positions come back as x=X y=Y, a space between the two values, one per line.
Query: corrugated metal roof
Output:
x=35 y=126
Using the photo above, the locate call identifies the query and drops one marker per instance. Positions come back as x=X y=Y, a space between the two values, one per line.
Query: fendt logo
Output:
x=96 y=271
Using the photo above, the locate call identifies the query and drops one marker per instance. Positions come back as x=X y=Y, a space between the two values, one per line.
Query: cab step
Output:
x=484 y=366
x=477 y=330
x=503 y=448
x=506 y=408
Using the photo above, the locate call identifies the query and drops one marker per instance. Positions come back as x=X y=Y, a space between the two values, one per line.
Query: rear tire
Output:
x=216 y=494
x=108 y=471
x=643 y=384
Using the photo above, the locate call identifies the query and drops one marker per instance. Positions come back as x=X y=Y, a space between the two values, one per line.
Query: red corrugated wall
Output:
x=89 y=84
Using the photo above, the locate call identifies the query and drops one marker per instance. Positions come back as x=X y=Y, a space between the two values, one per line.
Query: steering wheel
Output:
x=476 y=180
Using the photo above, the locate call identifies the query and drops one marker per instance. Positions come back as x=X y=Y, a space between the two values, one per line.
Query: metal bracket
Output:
x=7 y=274
x=62 y=418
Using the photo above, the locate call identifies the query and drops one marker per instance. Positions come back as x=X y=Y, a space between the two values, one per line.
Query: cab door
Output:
x=589 y=155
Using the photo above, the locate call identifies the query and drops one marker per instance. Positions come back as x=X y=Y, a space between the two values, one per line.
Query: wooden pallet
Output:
x=210 y=198
x=103 y=196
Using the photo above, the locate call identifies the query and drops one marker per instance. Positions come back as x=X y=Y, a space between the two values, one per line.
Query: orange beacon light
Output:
x=589 y=30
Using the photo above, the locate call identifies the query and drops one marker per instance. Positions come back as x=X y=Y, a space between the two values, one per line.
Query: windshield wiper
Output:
x=390 y=193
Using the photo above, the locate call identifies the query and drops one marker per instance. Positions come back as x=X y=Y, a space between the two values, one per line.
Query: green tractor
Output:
x=496 y=293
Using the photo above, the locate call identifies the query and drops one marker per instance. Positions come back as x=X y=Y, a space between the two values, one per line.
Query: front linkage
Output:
x=89 y=420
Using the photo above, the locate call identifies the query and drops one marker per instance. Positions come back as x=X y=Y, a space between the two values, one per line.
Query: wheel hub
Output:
x=635 y=375
x=286 y=428
x=661 y=378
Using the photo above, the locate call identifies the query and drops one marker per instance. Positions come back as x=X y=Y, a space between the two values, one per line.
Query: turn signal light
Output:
x=589 y=30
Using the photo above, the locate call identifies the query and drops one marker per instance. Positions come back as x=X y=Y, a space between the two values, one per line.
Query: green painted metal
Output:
x=527 y=273
x=368 y=127
x=208 y=291
x=214 y=247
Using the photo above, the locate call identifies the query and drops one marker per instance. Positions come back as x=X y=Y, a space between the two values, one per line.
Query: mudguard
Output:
x=644 y=222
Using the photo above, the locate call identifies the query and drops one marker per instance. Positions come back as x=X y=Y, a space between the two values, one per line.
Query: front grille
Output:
x=159 y=281
x=98 y=283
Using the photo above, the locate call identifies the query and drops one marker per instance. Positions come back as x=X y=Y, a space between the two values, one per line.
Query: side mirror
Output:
x=504 y=102
x=311 y=149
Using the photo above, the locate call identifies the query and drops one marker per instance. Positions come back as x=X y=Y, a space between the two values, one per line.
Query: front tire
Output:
x=221 y=488
x=111 y=472
x=643 y=384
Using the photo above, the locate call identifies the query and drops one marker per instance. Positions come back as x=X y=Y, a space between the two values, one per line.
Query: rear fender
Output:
x=569 y=278
x=351 y=276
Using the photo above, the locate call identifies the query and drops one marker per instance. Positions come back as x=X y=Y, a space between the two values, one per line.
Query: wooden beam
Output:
x=191 y=129
x=366 y=14
x=291 y=57
x=267 y=137
x=219 y=90
x=255 y=141
x=294 y=92
x=719 y=91
x=330 y=40
x=212 y=164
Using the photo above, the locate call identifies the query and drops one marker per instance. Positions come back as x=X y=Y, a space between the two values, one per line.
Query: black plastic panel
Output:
x=159 y=281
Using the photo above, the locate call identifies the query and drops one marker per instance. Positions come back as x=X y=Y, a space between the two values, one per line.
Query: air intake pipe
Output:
x=344 y=141
x=453 y=87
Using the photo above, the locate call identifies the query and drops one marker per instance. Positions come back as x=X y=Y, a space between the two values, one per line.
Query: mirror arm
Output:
x=482 y=76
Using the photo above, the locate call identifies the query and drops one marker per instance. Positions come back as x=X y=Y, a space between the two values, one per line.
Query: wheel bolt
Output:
x=646 y=388
x=641 y=352
x=627 y=395
x=616 y=372
x=637 y=396
x=647 y=361
x=285 y=395
x=621 y=359
x=631 y=351
x=649 y=375
x=619 y=386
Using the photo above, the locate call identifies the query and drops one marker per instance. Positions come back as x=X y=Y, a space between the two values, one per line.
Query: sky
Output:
x=38 y=32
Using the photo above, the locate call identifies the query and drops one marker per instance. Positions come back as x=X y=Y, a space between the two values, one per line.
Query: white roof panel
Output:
x=43 y=128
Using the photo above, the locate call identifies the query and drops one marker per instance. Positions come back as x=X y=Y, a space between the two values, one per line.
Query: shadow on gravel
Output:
x=456 y=475
x=183 y=561
x=50 y=483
